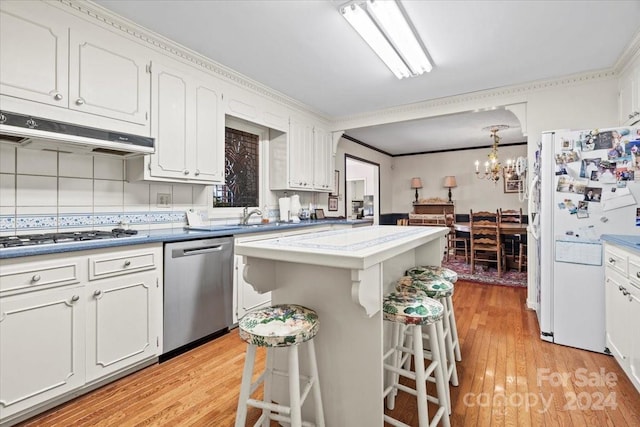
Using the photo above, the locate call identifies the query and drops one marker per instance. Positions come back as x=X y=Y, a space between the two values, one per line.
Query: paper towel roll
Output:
x=285 y=208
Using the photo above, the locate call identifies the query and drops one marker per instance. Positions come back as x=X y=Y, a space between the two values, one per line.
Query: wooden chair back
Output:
x=402 y=221
x=485 y=238
x=511 y=215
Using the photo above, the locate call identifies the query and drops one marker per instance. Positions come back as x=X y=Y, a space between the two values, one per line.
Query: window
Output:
x=241 y=171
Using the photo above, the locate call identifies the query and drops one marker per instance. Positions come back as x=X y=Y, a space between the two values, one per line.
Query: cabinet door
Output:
x=248 y=298
x=634 y=334
x=42 y=347
x=108 y=75
x=629 y=96
x=616 y=316
x=209 y=135
x=300 y=154
x=122 y=326
x=169 y=122
x=323 y=167
x=33 y=52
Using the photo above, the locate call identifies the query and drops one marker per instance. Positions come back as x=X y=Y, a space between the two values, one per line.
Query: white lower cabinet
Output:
x=622 y=294
x=41 y=347
x=121 y=324
x=69 y=321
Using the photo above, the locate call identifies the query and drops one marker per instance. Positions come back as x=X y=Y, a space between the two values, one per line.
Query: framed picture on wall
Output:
x=512 y=185
x=333 y=203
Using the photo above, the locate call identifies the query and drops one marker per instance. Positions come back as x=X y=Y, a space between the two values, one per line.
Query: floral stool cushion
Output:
x=433 y=271
x=433 y=287
x=279 y=325
x=411 y=309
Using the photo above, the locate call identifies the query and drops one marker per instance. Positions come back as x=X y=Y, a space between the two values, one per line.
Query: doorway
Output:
x=362 y=189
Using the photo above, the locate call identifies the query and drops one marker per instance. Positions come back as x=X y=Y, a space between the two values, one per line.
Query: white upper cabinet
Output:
x=108 y=76
x=51 y=58
x=629 y=95
x=187 y=122
x=323 y=168
x=301 y=159
x=34 y=53
x=301 y=153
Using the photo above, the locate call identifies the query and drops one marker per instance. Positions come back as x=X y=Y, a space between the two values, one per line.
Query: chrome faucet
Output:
x=246 y=215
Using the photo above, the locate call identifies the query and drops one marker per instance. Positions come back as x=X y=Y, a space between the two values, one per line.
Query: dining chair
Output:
x=453 y=240
x=402 y=221
x=485 y=239
x=513 y=216
x=522 y=257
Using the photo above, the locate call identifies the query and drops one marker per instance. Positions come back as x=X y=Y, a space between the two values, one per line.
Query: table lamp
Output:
x=450 y=182
x=415 y=184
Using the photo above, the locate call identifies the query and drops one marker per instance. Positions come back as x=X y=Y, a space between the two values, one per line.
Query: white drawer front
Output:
x=23 y=279
x=100 y=267
x=616 y=259
x=634 y=269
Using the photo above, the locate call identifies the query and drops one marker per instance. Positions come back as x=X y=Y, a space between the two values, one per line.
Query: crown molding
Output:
x=629 y=54
x=504 y=96
x=95 y=12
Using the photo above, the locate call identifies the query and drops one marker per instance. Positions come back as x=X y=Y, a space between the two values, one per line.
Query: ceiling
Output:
x=306 y=50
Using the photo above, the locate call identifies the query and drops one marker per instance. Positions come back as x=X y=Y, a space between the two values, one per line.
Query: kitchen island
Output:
x=342 y=275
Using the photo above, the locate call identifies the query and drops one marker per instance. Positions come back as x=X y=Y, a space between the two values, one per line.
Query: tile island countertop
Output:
x=356 y=248
x=342 y=275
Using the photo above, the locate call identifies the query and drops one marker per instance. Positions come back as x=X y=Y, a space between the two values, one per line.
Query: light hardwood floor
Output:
x=508 y=377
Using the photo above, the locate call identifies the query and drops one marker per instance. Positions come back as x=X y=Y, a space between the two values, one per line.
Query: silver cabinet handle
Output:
x=79 y=101
x=612 y=261
x=75 y=298
x=620 y=288
x=36 y=278
x=97 y=293
x=638 y=274
x=31 y=124
x=57 y=96
x=197 y=172
x=3 y=118
x=186 y=172
x=127 y=263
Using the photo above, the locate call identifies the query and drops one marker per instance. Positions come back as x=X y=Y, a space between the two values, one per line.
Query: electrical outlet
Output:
x=163 y=200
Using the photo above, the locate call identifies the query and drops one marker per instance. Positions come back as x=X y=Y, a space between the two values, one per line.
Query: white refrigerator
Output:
x=585 y=184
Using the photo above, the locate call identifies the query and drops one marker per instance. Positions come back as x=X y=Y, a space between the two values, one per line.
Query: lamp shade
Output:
x=450 y=182
x=416 y=183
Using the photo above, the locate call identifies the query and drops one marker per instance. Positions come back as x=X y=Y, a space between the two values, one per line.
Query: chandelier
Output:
x=492 y=167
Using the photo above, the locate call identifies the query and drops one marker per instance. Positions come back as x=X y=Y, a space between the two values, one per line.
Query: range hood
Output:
x=43 y=134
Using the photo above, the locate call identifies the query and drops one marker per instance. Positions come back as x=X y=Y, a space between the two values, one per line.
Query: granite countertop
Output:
x=167 y=235
x=627 y=241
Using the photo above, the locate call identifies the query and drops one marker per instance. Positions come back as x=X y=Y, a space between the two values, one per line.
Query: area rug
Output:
x=487 y=275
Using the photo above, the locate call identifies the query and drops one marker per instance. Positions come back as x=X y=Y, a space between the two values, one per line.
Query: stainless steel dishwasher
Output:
x=198 y=290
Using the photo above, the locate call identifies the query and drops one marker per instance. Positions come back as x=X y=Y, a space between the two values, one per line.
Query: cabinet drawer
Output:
x=634 y=270
x=23 y=279
x=113 y=265
x=616 y=260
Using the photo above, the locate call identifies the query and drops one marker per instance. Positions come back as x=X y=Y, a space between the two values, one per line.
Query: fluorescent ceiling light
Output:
x=383 y=26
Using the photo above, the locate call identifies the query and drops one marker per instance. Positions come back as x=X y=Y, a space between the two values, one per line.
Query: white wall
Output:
x=471 y=192
x=386 y=174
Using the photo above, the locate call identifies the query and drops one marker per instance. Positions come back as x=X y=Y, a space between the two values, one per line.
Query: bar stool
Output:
x=413 y=312
x=283 y=325
x=451 y=276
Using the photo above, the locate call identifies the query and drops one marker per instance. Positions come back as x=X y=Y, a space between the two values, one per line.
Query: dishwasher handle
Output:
x=177 y=253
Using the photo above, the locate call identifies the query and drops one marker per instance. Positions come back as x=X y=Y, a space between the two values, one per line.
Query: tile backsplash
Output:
x=45 y=191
